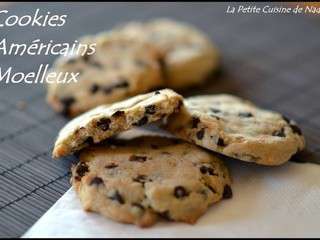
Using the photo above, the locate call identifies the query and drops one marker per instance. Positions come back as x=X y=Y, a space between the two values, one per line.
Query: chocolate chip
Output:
x=140 y=178
x=279 y=133
x=138 y=205
x=107 y=90
x=221 y=142
x=118 y=113
x=227 y=192
x=180 y=103
x=286 y=119
x=200 y=134
x=156 y=92
x=211 y=189
x=195 y=122
x=82 y=168
x=135 y=158
x=104 y=124
x=205 y=170
x=96 y=181
x=215 y=110
x=94 y=88
x=180 y=192
x=88 y=141
x=166 y=215
x=151 y=109
x=86 y=57
x=66 y=104
x=116 y=196
x=211 y=172
x=142 y=121
x=296 y=129
x=245 y=114
x=122 y=84
x=111 y=165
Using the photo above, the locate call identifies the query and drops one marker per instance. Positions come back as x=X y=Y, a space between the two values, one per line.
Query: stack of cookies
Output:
x=132 y=59
x=146 y=178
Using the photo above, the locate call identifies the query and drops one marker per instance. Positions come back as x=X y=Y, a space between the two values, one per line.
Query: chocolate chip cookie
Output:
x=119 y=68
x=108 y=120
x=188 y=56
x=139 y=180
x=237 y=128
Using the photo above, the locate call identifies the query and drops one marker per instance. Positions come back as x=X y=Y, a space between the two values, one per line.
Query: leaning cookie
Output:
x=108 y=120
x=136 y=181
x=188 y=54
x=119 y=68
x=237 y=128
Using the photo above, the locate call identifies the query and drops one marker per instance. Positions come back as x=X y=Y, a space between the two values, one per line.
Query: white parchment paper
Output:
x=268 y=202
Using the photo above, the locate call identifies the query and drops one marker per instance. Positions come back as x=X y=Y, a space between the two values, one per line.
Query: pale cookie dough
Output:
x=188 y=54
x=119 y=68
x=136 y=181
x=108 y=120
x=237 y=128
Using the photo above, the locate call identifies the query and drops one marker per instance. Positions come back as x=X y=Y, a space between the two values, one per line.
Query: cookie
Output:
x=108 y=120
x=237 y=128
x=119 y=68
x=136 y=181
x=188 y=56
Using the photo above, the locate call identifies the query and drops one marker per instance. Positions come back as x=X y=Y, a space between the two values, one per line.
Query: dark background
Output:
x=272 y=60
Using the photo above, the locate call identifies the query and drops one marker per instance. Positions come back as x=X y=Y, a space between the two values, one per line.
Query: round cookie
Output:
x=237 y=128
x=188 y=55
x=119 y=68
x=108 y=120
x=135 y=181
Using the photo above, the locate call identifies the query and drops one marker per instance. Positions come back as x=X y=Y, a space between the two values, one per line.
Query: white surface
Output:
x=267 y=202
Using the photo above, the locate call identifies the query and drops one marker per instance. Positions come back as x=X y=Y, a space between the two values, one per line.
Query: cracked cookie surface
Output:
x=107 y=120
x=237 y=128
x=119 y=68
x=188 y=55
x=137 y=181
